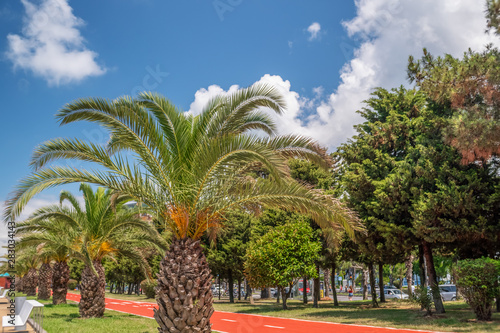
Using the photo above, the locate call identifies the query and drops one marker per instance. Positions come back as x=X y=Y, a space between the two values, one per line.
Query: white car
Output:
x=448 y=292
x=395 y=293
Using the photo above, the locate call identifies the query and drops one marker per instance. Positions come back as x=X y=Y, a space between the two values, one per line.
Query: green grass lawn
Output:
x=65 y=318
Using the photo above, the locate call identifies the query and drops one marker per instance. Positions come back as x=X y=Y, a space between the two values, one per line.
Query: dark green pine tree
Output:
x=226 y=255
x=409 y=185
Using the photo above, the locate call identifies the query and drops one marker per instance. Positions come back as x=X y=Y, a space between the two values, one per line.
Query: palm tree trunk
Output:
x=44 y=281
x=429 y=259
x=92 y=291
x=60 y=278
x=19 y=284
x=371 y=269
x=30 y=281
x=183 y=294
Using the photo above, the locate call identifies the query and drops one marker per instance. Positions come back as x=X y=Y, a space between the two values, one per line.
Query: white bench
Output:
x=21 y=319
x=4 y=295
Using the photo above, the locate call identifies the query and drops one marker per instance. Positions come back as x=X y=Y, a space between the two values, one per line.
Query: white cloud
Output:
x=32 y=206
x=51 y=45
x=390 y=31
x=314 y=30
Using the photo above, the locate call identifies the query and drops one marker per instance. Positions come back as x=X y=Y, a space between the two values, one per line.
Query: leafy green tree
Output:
x=281 y=256
x=477 y=281
x=189 y=170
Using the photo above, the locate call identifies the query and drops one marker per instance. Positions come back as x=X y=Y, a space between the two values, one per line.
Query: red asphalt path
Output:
x=228 y=322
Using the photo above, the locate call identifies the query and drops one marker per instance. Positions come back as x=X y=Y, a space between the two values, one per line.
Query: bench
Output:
x=4 y=295
x=21 y=319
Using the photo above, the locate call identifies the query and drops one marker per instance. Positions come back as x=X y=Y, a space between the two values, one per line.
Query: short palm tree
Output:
x=27 y=263
x=44 y=278
x=104 y=228
x=53 y=245
x=190 y=170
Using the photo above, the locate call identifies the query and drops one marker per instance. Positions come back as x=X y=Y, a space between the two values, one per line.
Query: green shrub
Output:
x=423 y=297
x=72 y=284
x=148 y=288
x=477 y=282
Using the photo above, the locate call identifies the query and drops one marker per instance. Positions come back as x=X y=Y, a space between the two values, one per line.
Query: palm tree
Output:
x=27 y=263
x=44 y=279
x=53 y=245
x=104 y=228
x=190 y=170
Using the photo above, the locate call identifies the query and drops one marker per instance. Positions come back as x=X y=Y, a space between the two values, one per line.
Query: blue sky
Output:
x=325 y=55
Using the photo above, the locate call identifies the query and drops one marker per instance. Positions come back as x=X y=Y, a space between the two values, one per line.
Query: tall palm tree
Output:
x=104 y=228
x=189 y=169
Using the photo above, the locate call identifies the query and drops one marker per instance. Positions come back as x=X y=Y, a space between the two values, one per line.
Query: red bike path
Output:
x=228 y=322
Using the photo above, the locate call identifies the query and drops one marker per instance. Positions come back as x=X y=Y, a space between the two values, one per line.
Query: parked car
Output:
x=448 y=292
x=274 y=291
x=395 y=293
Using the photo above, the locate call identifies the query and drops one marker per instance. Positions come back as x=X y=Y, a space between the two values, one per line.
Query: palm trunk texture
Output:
x=183 y=294
x=60 y=278
x=19 y=284
x=92 y=291
x=30 y=282
x=44 y=281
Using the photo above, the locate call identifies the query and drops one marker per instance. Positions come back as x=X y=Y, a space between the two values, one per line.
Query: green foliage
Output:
x=75 y=269
x=310 y=173
x=189 y=170
x=470 y=87
x=477 y=282
x=228 y=252
x=424 y=298
x=148 y=288
x=72 y=284
x=408 y=185
x=282 y=255
x=493 y=15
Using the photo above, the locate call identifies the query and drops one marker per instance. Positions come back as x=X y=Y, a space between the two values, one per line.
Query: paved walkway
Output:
x=228 y=322
x=4 y=311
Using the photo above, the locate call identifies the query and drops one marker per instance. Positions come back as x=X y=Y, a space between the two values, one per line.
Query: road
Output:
x=228 y=322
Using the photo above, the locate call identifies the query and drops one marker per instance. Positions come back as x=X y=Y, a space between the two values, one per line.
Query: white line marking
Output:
x=332 y=323
x=233 y=321
x=274 y=327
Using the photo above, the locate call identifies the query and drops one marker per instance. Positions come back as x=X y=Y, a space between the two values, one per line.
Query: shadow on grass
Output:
x=396 y=314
